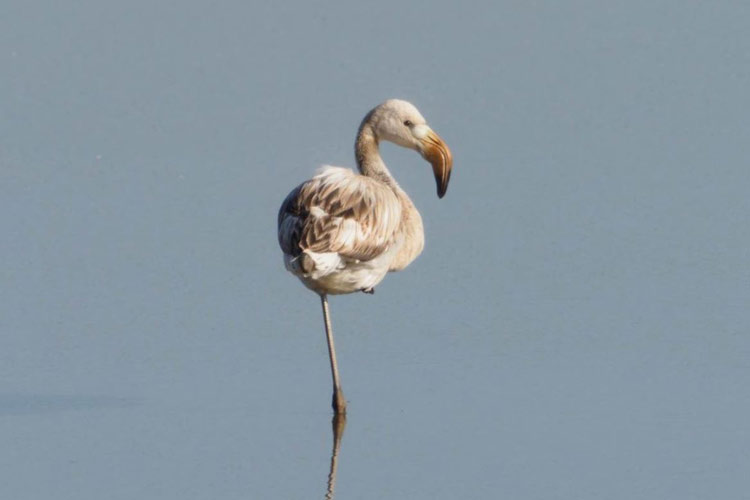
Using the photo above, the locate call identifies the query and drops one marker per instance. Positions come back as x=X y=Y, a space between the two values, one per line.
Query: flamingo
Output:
x=342 y=231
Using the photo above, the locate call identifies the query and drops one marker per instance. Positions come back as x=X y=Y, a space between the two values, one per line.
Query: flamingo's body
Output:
x=341 y=232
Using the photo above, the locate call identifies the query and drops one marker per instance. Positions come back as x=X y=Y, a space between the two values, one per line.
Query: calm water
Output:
x=577 y=328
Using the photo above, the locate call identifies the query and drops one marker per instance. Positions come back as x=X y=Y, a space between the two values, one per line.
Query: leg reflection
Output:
x=338 y=424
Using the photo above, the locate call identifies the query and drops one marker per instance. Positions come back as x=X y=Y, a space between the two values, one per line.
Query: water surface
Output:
x=577 y=326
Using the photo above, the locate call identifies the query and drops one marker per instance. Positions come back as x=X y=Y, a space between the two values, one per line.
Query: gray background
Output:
x=576 y=328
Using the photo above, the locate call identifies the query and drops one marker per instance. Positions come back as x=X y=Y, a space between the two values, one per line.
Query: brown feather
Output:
x=339 y=211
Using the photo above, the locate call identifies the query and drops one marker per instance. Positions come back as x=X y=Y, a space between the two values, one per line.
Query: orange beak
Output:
x=435 y=151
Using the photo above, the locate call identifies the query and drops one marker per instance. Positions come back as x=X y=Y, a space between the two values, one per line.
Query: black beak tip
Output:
x=442 y=187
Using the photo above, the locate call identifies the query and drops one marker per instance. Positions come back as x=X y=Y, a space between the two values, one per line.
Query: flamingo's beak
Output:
x=435 y=151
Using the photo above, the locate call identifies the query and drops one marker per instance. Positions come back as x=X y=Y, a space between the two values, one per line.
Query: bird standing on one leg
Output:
x=341 y=232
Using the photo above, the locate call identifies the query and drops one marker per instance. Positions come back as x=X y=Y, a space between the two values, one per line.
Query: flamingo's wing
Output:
x=342 y=212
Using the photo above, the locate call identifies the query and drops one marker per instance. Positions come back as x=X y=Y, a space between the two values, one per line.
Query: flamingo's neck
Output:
x=367 y=153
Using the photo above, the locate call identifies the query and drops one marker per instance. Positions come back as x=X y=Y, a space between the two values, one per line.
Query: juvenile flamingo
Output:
x=342 y=231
